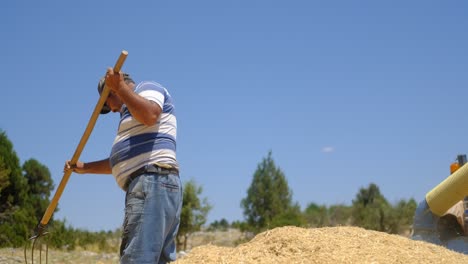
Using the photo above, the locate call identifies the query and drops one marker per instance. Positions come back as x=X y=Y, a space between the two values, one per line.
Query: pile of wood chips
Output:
x=325 y=245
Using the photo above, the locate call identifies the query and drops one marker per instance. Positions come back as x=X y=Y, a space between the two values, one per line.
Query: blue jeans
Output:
x=153 y=204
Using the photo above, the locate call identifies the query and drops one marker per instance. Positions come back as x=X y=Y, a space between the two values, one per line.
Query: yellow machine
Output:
x=442 y=217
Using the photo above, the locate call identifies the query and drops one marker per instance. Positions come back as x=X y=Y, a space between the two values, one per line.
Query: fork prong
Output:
x=40 y=253
x=37 y=245
x=25 y=254
x=32 y=249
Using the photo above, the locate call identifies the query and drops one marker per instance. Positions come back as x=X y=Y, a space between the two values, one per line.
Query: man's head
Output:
x=105 y=108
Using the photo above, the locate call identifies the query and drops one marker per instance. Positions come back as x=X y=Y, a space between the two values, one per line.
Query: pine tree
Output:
x=40 y=185
x=269 y=200
x=194 y=212
x=370 y=209
x=16 y=213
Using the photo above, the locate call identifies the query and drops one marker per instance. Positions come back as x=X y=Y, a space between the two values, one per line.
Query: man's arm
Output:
x=143 y=110
x=95 y=167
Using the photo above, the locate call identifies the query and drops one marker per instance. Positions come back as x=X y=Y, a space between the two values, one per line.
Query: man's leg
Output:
x=169 y=250
x=152 y=215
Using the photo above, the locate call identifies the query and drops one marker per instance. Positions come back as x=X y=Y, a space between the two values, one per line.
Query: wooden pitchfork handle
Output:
x=92 y=121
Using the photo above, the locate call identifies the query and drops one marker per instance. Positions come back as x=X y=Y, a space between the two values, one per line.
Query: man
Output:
x=143 y=162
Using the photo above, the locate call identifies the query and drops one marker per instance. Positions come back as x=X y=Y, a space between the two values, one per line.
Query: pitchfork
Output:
x=40 y=230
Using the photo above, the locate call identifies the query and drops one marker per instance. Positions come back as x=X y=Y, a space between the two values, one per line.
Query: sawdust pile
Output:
x=325 y=245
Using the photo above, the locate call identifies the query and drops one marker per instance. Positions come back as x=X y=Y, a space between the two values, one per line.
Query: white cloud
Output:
x=328 y=149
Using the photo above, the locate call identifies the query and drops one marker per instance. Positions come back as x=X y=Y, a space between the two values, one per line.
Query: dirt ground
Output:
x=16 y=255
x=326 y=246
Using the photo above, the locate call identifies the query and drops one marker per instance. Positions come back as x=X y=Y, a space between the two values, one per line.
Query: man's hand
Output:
x=78 y=167
x=114 y=80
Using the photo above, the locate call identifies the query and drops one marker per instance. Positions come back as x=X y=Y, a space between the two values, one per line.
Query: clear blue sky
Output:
x=344 y=93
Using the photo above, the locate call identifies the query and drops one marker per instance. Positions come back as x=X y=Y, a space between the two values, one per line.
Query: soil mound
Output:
x=325 y=245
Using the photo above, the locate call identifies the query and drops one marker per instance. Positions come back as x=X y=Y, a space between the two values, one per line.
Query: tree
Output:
x=241 y=225
x=292 y=216
x=269 y=197
x=321 y=215
x=339 y=215
x=370 y=209
x=16 y=213
x=15 y=192
x=402 y=215
x=40 y=185
x=316 y=215
x=194 y=212
x=222 y=225
x=4 y=172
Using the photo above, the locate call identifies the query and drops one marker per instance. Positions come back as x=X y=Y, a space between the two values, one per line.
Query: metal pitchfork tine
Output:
x=40 y=232
x=41 y=227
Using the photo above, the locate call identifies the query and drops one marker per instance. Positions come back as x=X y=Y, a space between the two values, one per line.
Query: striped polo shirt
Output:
x=136 y=144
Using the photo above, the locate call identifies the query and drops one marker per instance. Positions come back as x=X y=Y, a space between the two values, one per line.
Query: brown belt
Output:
x=156 y=168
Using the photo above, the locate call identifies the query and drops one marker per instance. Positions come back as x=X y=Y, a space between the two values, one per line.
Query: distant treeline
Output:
x=25 y=195
x=269 y=204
